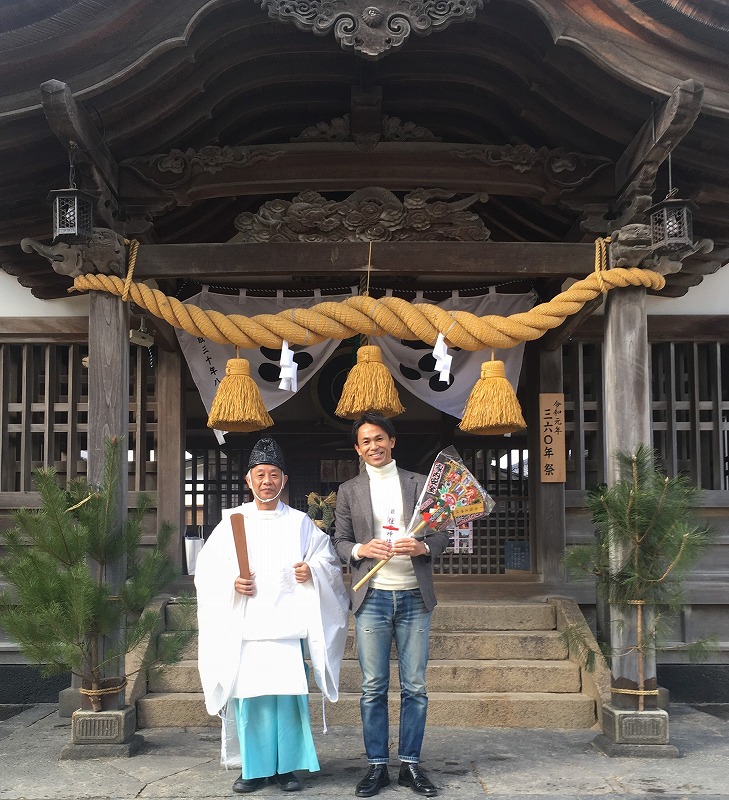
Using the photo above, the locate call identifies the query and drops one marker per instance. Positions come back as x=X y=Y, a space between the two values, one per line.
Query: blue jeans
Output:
x=382 y=615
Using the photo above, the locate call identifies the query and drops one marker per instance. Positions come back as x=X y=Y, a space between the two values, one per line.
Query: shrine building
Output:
x=260 y=157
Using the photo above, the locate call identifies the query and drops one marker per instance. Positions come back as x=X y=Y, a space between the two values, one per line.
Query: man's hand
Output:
x=408 y=546
x=302 y=572
x=246 y=586
x=379 y=549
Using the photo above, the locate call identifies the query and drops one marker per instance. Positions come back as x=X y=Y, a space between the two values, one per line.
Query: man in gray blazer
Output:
x=373 y=511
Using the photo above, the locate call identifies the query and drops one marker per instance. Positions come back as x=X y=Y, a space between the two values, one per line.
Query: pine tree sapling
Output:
x=647 y=539
x=59 y=606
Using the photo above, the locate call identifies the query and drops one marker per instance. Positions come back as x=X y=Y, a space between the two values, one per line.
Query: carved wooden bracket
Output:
x=106 y=254
x=371 y=214
x=97 y=168
x=630 y=246
x=372 y=27
x=636 y=169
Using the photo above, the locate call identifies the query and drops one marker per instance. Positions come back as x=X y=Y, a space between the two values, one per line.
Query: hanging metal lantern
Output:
x=671 y=226
x=73 y=215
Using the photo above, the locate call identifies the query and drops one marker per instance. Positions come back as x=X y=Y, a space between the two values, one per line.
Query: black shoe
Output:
x=411 y=775
x=377 y=776
x=247 y=785
x=288 y=782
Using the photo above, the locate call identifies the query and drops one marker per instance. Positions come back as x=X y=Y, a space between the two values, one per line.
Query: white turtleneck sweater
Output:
x=389 y=522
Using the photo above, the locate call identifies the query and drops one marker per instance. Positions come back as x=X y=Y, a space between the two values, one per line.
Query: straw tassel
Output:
x=238 y=405
x=369 y=387
x=492 y=407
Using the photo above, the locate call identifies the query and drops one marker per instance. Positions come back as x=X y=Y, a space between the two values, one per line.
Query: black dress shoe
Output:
x=288 y=782
x=247 y=785
x=377 y=776
x=411 y=775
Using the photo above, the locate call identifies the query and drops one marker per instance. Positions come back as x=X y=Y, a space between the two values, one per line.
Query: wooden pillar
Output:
x=627 y=425
x=171 y=447
x=547 y=513
x=109 y=414
x=7 y=465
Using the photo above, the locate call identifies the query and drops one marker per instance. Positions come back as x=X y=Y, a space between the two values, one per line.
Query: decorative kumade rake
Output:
x=451 y=497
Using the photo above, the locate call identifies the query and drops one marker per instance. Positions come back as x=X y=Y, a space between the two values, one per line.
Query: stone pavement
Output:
x=464 y=763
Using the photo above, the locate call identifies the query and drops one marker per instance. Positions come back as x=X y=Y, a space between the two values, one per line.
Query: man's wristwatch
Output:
x=427 y=549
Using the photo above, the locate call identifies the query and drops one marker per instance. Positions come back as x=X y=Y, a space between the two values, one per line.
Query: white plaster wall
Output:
x=17 y=301
x=711 y=296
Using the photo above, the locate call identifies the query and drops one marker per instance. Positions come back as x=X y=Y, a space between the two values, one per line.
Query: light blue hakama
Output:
x=275 y=736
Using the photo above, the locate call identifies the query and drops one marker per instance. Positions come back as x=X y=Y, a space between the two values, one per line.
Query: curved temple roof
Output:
x=551 y=77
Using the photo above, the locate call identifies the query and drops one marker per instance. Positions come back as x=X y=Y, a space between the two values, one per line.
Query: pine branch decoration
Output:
x=59 y=606
x=649 y=518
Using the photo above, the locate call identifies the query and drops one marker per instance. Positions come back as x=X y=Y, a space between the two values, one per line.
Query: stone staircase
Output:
x=491 y=665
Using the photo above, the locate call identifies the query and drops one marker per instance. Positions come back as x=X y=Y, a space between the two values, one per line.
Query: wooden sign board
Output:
x=552 y=462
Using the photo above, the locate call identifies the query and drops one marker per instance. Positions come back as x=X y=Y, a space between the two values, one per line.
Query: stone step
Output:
x=493 y=617
x=442 y=676
x=472 y=709
x=465 y=645
x=457 y=617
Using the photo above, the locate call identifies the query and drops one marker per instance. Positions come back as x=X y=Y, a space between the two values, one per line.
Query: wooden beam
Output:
x=171 y=448
x=13 y=500
x=78 y=134
x=547 y=512
x=669 y=328
x=448 y=261
x=635 y=170
x=655 y=138
x=554 y=339
x=44 y=329
x=684 y=280
x=160 y=182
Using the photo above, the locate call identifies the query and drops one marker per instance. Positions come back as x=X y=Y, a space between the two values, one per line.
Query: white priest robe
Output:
x=251 y=646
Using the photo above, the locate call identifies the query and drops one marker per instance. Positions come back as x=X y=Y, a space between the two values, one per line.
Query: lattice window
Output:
x=584 y=440
x=143 y=416
x=503 y=472
x=218 y=481
x=44 y=414
x=213 y=482
x=690 y=412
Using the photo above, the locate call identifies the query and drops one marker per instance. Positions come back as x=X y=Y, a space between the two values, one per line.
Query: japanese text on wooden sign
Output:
x=551 y=438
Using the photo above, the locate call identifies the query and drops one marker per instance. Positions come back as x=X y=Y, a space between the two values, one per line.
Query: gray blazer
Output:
x=354 y=524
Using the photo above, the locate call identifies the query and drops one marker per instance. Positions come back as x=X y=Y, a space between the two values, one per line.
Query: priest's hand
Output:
x=246 y=586
x=379 y=549
x=302 y=572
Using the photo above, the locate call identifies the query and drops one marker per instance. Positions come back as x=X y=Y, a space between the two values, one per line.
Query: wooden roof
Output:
x=559 y=79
